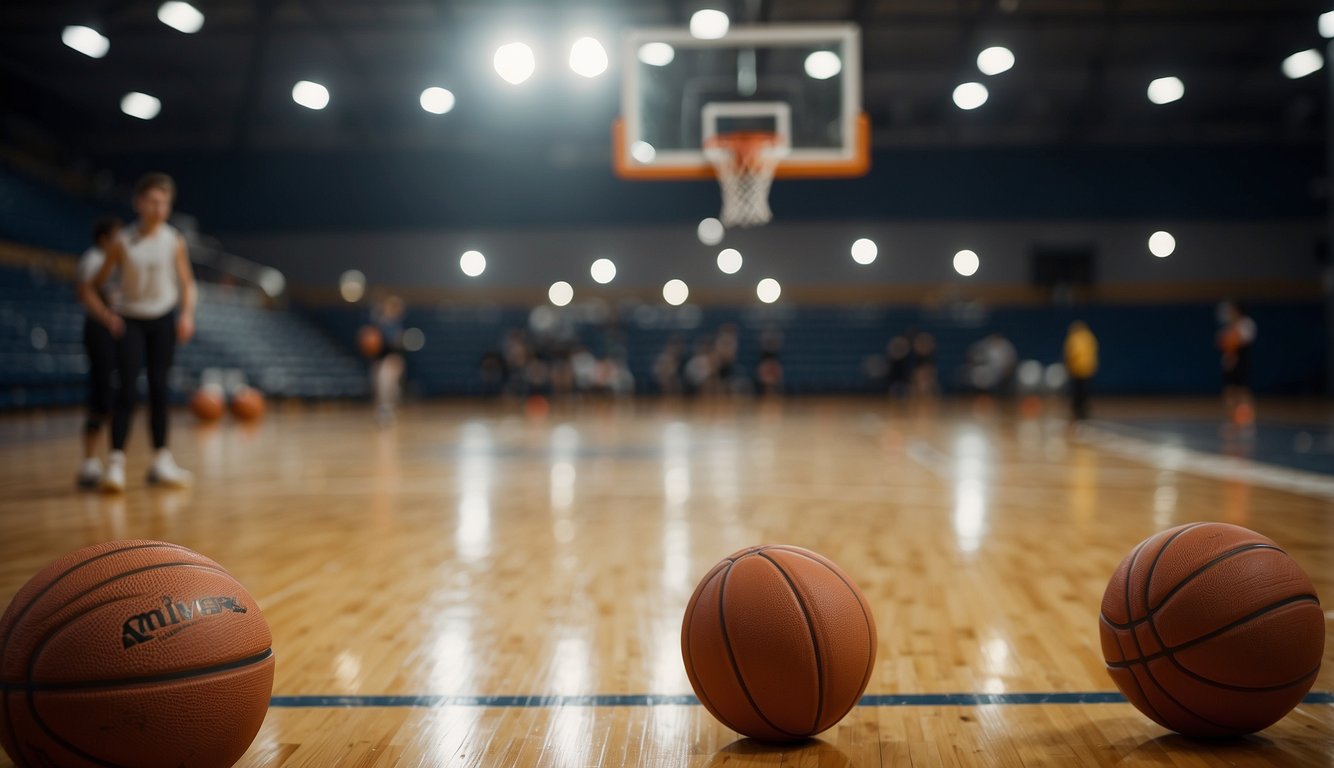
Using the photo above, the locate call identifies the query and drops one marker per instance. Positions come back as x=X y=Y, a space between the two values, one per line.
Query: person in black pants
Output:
x=155 y=310
x=101 y=349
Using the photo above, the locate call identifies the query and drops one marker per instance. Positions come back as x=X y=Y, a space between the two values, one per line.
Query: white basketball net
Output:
x=745 y=164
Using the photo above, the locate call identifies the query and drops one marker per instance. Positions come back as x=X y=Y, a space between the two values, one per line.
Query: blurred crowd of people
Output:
x=528 y=364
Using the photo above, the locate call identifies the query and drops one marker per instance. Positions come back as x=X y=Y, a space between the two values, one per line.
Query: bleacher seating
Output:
x=42 y=361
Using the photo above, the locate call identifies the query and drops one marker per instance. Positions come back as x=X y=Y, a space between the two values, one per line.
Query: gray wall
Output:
x=799 y=254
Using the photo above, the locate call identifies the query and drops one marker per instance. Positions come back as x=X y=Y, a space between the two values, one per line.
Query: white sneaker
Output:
x=165 y=472
x=90 y=473
x=113 y=480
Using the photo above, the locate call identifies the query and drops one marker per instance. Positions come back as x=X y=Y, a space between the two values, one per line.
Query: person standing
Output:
x=1235 y=340
x=1081 y=363
x=100 y=347
x=388 y=366
x=156 y=309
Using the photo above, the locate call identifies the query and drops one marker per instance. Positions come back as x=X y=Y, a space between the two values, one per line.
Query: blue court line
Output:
x=652 y=700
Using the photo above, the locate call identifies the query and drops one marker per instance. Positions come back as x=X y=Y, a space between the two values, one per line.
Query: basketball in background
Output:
x=1212 y=630
x=133 y=653
x=248 y=404
x=370 y=342
x=207 y=404
x=778 y=643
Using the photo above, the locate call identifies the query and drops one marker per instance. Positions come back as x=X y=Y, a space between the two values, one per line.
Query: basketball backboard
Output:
x=799 y=81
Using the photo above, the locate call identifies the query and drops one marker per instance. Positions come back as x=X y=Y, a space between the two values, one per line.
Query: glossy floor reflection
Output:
x=474 y=552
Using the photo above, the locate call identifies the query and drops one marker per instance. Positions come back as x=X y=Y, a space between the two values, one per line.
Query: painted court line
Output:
x=654 y=700
x=1113 y=439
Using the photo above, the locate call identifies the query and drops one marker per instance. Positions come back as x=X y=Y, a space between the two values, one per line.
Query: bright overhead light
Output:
x=140 y=105
x=1303 y=63
x=437 y=101
x=352 y=286
x=970 y=95
x=587 y=57
x=729 y=261
x=768 y=290
x=711 y=231
x=272 y=282
x=864 y=251
x=966 y=263
x=603 y=271
x=310 y=95
x=560 y=293
x=181 y=17
x=643 y=152
x=822 y=65
x=1326 y=24
x=473 y=263
x=995 y=60
x=514 y=62
x=709 y=24
x=656 y=54
x=675 y=292
x=1162 y=244
x=86 y=40
x=1166 y=90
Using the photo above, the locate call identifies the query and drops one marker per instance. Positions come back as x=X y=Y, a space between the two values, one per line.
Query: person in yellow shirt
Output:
x=1081 y=362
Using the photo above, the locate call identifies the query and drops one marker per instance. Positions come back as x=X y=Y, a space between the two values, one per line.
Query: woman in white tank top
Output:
x=155 y=309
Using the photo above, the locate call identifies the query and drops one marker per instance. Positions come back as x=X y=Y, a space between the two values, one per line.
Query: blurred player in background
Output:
x=387 y=367
x=1235 y=341
x=1081 y=363
x=100 y=347
x=156 y=309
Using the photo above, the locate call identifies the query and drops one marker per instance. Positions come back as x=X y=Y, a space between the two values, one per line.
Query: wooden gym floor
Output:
x=479 y=587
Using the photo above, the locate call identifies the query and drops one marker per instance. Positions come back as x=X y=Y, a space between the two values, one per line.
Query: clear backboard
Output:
x=799 y=82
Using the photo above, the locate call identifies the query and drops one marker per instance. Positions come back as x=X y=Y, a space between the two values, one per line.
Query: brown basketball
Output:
x=207 y=404
x=133 y=653
x=248 y=404
x=1211 y=630
x=370 y=341
x=778 y=642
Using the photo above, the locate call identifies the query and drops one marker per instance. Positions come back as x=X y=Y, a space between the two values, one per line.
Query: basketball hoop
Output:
x=745 y=162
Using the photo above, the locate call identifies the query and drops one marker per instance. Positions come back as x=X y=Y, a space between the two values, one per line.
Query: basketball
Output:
x=1212 y=630
x=135 y=653
x=207 y=404
x=248 y=404
x=370 y=341
x=778 y=643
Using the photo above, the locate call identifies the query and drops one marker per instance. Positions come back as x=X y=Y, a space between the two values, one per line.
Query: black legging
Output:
x=154 y=340
x=101 y=349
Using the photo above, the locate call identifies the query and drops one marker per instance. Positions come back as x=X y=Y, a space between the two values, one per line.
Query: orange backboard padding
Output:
x=859 y=165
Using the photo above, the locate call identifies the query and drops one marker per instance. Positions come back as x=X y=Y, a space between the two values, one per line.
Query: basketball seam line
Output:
x=815 y=642
x=731 y=655
x=1151 y=611
x=1153 y=628
x=168 y=677
x=1134 y=638
x=685 y=635
x=32 y=602
x=46 y=639
x=866 y=616
x=1242 y=688
x=1127 y=663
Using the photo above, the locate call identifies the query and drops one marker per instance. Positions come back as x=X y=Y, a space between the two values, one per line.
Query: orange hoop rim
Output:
x=746 y=147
